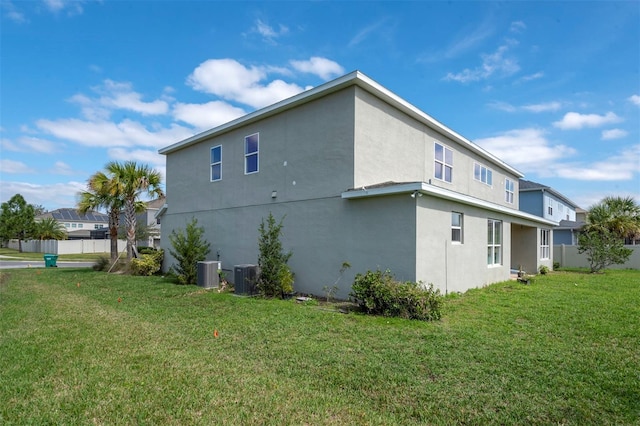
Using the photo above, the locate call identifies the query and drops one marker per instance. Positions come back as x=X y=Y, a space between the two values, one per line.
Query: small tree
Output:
x=17 y=220
x=603 y=248
x=276 y=279
x=188 y=249
x=49 y=229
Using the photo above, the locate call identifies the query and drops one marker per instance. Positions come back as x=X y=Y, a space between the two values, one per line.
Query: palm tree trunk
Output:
x=130 y=224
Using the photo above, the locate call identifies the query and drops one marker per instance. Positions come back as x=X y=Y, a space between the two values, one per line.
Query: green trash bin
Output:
x=50 y=260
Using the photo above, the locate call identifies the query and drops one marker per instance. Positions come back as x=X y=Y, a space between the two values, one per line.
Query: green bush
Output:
x=379 y=293
x=189 y=248
x=147 y=264
x=543 y=269
x=102 y=264
x=276 y=278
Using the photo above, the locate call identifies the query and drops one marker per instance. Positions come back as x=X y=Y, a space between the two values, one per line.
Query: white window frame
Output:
x=443 y=163
x=459 y=228
x=545 y=244
x=255 y=153
x=494 y=242
x=483 y=174
x=215 y=163
x=509 y=190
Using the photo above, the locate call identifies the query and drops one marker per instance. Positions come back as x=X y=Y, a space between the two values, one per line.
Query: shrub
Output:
x=603 y=248
x=188 y=249
x=276 y=278
x=379 y=293
x=556 y=265
x=147 y=264
x=102 y=264
x=543 y=269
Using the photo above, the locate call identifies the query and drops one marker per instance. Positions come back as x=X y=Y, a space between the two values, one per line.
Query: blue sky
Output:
x=552 y=88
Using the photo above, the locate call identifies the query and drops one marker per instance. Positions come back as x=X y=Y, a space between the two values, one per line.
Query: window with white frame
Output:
x=216 y=163
x=456 y=227
x=443 y=163
x=251 y=143
x=545 y=247
x=509 y=190
x=482 y=174
x=494 y=242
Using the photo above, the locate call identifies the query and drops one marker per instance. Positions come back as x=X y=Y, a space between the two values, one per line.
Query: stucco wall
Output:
x=453 y=266
x=321 y=234
x=391 y=146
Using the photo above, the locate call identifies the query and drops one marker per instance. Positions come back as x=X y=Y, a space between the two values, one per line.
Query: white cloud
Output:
x=108 y=134
x=364 y=33
x=534 y=76
x=73 y=7
x=229 y=79
x=543 y=107
x=53 y=196
x=62 y=168
x=622 y=166
x=536 y=108
x=576 y=121
x=517 y=27
x=11 y=12
x=117 y=95
x=526 y=149
x=634 y=99
x=322 y=67
x=492 y=64
x=139 y=155
x=614 y=134
x=29 y=144
x=268 y=32
x=206 y=116
x=14 y=167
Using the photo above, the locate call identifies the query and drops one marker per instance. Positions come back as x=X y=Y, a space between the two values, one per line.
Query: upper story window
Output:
x=216 y=163
x=456 y=227
x=251 y=153
x=443 y=163
x=482 y=174
x=509 y=189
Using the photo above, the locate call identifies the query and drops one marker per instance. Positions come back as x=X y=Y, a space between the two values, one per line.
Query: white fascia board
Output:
x=425 y=188
x=160 y=212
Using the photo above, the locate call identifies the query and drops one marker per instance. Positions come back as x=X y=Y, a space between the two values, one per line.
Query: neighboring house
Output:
x=360 y=176
x=150 y=219
x=79 y=226
x=544 y=201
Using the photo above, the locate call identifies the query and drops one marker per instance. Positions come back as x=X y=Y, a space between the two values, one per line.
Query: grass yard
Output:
x=16 y=255
x=81 y=347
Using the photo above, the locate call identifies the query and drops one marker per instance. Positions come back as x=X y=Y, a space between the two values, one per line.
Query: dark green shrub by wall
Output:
x=379 y=293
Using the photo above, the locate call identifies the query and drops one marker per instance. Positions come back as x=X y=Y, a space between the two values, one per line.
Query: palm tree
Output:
x=133 y=180
x=618 y=215
x=49 y=229
x=103 y=192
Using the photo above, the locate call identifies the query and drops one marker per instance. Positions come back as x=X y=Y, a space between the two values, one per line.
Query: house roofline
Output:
x=545 y=188
x=435 y=191
x=353 y=78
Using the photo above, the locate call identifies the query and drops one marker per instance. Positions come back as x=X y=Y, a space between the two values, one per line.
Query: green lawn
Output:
x=16 y=255
x=81 y=347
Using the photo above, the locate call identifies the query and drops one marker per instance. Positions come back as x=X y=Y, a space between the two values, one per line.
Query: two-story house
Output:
x=77 y=225
x=360 y=176
x=542 y=200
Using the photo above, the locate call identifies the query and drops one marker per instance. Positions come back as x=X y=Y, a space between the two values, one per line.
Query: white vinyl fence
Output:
x=568 y=257
x=67 y=246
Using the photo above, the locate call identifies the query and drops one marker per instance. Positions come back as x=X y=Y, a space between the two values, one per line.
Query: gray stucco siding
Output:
x=392 y=146
x=323 y=233
x=453 y=266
